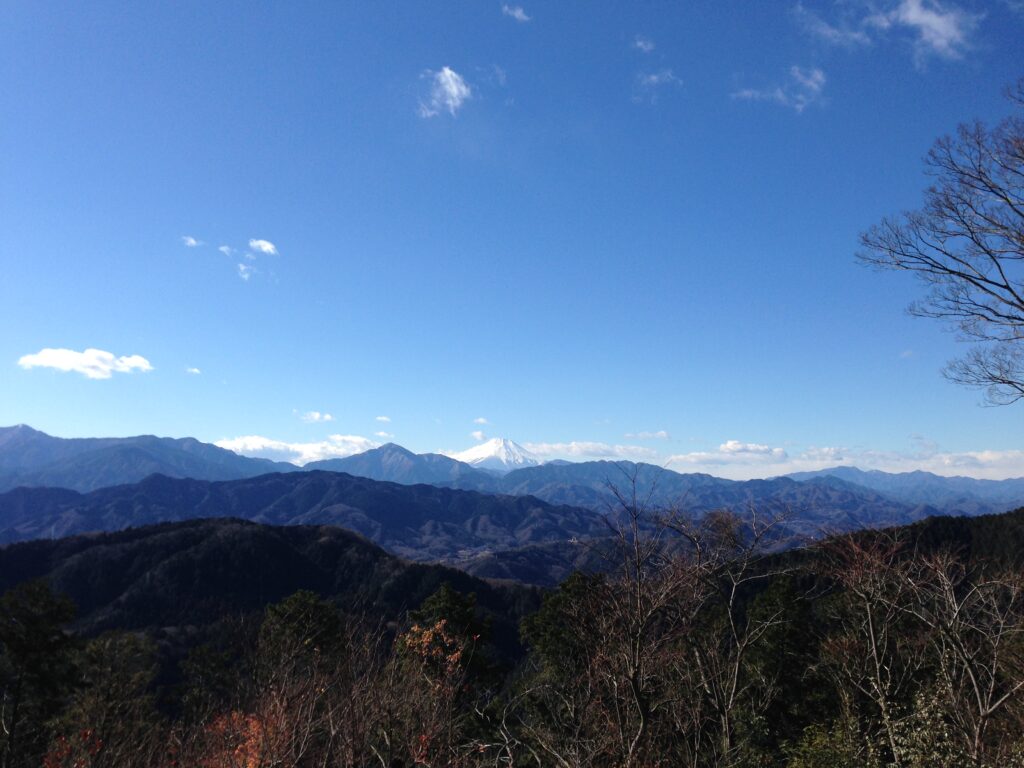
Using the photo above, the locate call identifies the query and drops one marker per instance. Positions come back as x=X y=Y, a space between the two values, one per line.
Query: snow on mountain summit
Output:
x=499 y=454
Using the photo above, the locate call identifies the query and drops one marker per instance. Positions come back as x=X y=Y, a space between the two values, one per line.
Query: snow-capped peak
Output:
x=498 y=453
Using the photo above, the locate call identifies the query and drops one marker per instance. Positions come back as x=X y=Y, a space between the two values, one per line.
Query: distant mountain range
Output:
x=835 y=499
x=422 y=522
x=591 y=483
x=29 y=457
x=395 y=464
x=965 y=494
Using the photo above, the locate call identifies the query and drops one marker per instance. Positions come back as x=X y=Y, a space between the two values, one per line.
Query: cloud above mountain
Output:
x=739 y=460
x=334 y=447
x=91 y=363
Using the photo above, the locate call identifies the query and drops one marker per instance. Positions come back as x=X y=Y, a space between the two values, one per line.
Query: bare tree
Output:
x=727 y=551
x=976 y=623
x=607 y=693
x=869 y=653
x=966 y=244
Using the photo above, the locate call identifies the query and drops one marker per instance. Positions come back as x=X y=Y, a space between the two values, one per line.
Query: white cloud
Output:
x=263 y=246
x=661 y=434
x=943 y=30
x=643 y=44
x=844 y=35
x=193 y=371
x=315 y=417
x=936 y=28
x=92 y=363
x=478 y=435
x=578 y=449
x=191 y=242
x=735 y=448
x=448 y=92
x=245 y=271
x=743 y=461
x=480 y=420
x=648 y=84
x=335 y=446
x=804 y=87
x=227 y=250
x=516 y=12
x=384 y=435
x=385 y=419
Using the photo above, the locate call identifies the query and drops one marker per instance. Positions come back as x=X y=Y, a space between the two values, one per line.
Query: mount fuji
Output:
x=498 y=454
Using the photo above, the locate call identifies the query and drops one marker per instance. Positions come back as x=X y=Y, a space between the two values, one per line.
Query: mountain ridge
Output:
x=29 y=457
x=422 y=522
x=32 y=458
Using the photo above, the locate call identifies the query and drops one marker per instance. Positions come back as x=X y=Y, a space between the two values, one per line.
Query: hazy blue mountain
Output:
x=396 y=464
x=423 y=522
x=29 y=457
x=823 y=504
x=960 y=494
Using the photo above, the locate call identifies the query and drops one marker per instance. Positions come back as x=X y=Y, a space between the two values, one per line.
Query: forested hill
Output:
x=406 y=648
x=195 y=573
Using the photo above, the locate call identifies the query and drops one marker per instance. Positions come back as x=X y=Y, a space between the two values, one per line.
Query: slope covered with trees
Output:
x=902 y=647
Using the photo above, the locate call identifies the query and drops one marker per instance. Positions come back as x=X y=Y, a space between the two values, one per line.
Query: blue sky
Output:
x=603 y=229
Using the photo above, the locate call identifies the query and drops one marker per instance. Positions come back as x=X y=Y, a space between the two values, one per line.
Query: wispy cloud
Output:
x=335 y=446
x=649 y=84
x=478 y=435
x=448 y=92
x=803 y=88
x=515 y=12
x=191 y=242
x=316 y=417
x=385 y=419
x=480 y=420
x=661 y=434
x=844 y=34
x=245 y=271
x=643 y=44
x=227 y=250
x=193 y=371
x=583 y=449
x=937 y=29
x=934 y=27
x=384 y=435
x=91 y=363
x=263 y=246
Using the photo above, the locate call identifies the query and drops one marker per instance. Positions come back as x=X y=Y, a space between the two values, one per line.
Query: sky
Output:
x=603 y=230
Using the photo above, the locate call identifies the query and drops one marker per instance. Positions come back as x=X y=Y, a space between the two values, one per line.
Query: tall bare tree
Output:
x=976 y=623
x=873 y=652
x=966 y=243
